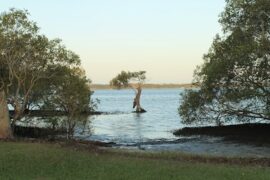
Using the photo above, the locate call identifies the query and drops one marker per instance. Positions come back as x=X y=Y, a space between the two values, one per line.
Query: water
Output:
x=123 y=126
x=153 y=130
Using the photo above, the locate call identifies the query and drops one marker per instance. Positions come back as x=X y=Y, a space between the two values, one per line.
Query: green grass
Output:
x=20 y=160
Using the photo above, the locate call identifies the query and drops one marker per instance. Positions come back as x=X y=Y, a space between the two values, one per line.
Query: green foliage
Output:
x=121 y=80
x=124 y=79
x=70 y=93
x=36 y=71
x=234 y=78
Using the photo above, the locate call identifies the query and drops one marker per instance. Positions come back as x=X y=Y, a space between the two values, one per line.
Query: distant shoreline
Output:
x=146 y=86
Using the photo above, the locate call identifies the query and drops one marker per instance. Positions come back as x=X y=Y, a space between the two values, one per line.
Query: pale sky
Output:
x=166 y=38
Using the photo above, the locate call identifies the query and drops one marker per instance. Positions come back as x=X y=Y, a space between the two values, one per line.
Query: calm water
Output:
x=153 y=130
x=123 y=126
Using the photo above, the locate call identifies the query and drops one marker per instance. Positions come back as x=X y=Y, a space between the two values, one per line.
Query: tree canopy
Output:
x=126 y=79
x=36 y=70
x=133 y=80
x=235 y=76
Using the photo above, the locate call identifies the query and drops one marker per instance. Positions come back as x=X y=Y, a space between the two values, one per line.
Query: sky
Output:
x=166 y=38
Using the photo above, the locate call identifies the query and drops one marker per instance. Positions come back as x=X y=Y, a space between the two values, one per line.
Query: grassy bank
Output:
x=21 y=160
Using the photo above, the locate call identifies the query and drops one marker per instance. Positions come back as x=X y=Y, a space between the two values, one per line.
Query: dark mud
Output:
x=256 y=134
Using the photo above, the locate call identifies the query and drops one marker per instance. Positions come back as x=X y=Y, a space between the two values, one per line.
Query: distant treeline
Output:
x=107 y=86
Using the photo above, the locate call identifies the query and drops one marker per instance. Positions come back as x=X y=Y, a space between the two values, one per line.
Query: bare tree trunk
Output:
x=17 y=115
x=136 y=102
x=5 y=129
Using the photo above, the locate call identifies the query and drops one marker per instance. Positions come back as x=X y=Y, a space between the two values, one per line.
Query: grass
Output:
x=22 y=160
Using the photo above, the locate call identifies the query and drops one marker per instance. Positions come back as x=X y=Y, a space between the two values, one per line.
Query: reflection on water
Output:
x=153 y=130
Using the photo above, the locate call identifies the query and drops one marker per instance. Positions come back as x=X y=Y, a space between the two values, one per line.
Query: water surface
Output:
x=123 y=126
x=153 y=130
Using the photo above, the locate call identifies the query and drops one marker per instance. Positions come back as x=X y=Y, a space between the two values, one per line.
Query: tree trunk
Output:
x=136 y=102
x=5 y=129
x=17 y=114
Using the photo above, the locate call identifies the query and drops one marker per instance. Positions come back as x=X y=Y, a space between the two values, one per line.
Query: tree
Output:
x=133 y=80
x=70 y=93
x=27 y=61
x=234 y=78
x=5 y=129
